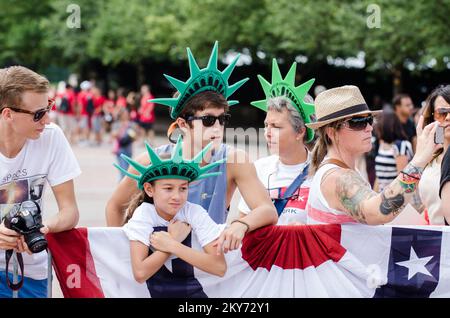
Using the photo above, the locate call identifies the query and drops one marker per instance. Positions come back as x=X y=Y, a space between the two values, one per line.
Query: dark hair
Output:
x=397 y=100
x=428 y=113
x=202 y=101
x=199 y=102
x=389 y=128
x=121 y=92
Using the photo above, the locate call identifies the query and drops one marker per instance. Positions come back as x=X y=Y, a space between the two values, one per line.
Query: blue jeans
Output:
x=31 y=288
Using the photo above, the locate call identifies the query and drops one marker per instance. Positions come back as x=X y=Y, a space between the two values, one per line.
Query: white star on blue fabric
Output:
x=415 y=264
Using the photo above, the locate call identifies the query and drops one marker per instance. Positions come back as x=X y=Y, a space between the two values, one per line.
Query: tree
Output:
x=410 y=36
x=22 y=32
x=67 y=44
x=400 y=39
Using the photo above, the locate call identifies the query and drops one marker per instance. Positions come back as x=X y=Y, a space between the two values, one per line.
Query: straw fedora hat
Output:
x=338 y=103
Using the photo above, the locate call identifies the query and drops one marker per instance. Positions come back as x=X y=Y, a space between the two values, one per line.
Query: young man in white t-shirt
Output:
x=32 y=152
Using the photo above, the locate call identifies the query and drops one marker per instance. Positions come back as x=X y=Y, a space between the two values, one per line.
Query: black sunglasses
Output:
x=359 y=123
x=210 y=120
x=37 y=115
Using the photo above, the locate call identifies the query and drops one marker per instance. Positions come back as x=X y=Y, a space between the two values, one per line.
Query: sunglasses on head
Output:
x=37 y=115
x=210 y=120
x=358 y=123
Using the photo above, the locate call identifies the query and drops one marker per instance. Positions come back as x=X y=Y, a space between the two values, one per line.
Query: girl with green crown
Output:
x=284 y=172
x=161 y=219
x=200 y=110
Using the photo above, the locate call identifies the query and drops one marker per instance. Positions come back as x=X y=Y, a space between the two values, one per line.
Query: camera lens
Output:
x=36 y=242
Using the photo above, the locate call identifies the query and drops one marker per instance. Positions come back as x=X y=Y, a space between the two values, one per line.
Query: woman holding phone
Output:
x=437 y=109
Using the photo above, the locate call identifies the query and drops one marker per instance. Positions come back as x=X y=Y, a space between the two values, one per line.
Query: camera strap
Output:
x=8 y=254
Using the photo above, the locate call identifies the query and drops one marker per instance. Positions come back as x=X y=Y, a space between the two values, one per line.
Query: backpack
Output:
x=64 y=106
x=90 y=106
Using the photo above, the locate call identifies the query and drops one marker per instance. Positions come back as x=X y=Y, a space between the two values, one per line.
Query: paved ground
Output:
x=96 y=184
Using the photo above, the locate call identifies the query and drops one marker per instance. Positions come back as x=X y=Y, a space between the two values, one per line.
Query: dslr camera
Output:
x=26 y=219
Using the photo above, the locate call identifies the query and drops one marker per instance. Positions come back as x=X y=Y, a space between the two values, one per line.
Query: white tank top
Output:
x=318 y=210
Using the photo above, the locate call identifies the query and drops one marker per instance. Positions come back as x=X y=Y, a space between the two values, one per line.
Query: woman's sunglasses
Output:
x=210 y=120
x=358 y=123
x=37 y=115
x=441 y=113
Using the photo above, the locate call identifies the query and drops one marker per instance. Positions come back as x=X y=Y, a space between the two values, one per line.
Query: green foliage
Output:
x=69 y=45
x=400 y=37
x=35 y=32
x=21 y=32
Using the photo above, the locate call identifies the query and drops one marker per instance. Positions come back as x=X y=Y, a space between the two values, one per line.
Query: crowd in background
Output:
x=87 y=115
x=90 y=118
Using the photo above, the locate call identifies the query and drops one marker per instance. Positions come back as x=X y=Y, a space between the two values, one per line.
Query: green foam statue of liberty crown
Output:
x=286 y=87
x=207 y=79
x=174 y=168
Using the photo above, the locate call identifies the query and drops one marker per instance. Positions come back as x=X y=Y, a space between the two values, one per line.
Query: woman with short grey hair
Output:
x=284 y=172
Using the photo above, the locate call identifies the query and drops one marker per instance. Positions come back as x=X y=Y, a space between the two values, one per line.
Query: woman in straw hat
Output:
x=338 y=193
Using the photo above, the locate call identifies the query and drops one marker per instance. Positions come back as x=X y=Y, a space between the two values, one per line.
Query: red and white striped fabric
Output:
x=277 y=261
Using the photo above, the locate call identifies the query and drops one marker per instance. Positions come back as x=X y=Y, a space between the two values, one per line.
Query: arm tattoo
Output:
x=352 y=190
x=393 y=203
x=413 y=170
x=393 y=196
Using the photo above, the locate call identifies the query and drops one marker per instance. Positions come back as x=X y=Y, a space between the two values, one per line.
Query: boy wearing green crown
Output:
x=200 y=110
x=284 y=173
x=161 y=219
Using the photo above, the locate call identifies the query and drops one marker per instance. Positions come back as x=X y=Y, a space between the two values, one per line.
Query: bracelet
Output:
x=411 y=176
x=242 y=222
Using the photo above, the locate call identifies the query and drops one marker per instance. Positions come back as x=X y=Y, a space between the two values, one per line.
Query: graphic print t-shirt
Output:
x=277 y=177
x=47 y=160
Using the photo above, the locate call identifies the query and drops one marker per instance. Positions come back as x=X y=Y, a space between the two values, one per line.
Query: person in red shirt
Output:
x=109 y=108
x=65 y=102
x=121 y=101
x=85 y=103
x=97 y=115
x=147 y=114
